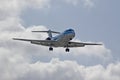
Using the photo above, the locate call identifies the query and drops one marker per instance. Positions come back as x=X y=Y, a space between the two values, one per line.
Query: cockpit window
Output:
x=70 y=30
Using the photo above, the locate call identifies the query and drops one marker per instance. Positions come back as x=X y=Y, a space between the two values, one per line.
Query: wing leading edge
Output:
x=38 y=42
x=80 y=44
x=54 y=43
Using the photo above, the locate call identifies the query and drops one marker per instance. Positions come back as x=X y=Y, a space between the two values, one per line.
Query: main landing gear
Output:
x=51 y=49
x=67 y=49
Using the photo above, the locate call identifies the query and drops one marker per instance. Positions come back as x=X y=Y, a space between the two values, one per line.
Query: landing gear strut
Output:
x=67 y=50
x=50 y=49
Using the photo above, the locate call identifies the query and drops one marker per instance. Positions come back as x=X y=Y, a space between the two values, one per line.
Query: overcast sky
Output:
x=92 y=20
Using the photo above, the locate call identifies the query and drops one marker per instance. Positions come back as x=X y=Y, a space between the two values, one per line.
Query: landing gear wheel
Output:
x=67 y=50
x=50 y=49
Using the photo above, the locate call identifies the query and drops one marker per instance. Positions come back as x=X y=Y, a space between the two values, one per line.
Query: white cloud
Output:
x=9 y=8
x=11 y=24
x=59 y=70
x=100 y=51
x=13 y=8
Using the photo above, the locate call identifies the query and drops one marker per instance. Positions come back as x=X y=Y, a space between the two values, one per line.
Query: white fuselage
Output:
x=64 y=38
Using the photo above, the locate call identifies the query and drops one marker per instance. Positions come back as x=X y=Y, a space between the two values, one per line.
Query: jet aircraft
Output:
x=61 y=40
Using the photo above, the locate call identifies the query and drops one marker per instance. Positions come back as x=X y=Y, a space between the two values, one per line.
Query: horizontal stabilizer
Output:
x=49 y=31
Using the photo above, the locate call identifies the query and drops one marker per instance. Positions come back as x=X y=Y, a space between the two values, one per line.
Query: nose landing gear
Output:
x=50 y=49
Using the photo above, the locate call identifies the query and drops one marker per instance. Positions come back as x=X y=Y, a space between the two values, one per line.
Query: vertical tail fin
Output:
x=49 y=33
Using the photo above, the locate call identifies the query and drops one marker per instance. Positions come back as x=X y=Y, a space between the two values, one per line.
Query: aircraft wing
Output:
x=38 y=42
x=53 y=43
x=80 y=44
x=24 y=39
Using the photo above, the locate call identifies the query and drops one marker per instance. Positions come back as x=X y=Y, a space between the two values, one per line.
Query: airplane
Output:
x=61 y=40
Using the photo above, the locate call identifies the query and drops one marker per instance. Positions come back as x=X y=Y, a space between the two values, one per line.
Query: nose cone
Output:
x=70 y=32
